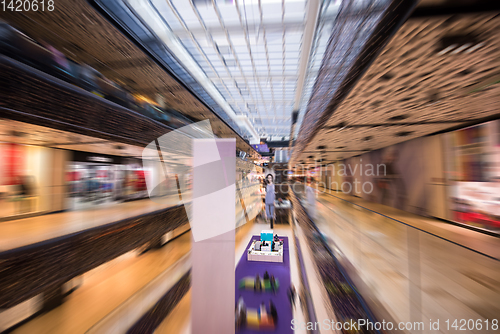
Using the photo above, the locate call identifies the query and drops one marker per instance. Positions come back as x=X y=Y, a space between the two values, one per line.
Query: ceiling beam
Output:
x=313 y=8
x=236 y=28
x=270 y=126
x=279 y=117
x=262 y=101
x=250 y=77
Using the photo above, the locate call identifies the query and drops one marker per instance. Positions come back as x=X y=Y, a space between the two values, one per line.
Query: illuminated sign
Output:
x=99 y=159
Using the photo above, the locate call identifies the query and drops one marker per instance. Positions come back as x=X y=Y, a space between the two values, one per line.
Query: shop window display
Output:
x=474 y=172
x=21 y=169
x=99 y=180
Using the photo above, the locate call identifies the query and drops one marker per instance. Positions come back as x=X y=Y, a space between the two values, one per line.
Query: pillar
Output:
x=213 y=227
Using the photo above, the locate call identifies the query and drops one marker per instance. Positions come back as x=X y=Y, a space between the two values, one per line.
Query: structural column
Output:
x=212 y=224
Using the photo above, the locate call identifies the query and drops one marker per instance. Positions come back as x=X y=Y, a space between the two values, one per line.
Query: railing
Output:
x=410 y=274
x=345 y=300
x=308 y=308
x=45 y=266
x=32 y=96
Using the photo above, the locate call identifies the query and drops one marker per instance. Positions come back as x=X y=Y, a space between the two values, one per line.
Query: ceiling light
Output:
x=342 y=126
x=447 y=49
x=461 y=48
x=202 y=3
x=457 y=42
x=474 y=47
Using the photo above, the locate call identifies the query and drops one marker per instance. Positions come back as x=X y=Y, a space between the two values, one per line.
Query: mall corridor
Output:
x=249 y=166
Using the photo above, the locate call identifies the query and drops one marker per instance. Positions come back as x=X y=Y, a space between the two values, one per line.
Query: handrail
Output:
x=87 y=113
x=75 y=89
x=59 y=260
x=361 y=300
x=310 y=308
x=62 y=238
x=417 y=228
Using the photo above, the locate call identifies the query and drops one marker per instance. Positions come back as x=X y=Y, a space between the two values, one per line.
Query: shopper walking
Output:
x=270 y=197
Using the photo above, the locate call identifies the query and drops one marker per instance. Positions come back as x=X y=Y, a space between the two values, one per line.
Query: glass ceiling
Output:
x=250 y=50
x=245 y=53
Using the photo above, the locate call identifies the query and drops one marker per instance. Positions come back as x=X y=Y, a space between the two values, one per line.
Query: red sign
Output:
x=13 y=163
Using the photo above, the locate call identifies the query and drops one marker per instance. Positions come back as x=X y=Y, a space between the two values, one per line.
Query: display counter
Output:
x=265 y=255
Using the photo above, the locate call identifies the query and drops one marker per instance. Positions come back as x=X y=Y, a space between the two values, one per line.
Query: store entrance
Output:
x=98 y=180
x=92 y=184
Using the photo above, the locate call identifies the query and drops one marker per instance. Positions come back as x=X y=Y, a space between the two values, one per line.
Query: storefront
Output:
x=29 y=182
x=473 y=169
x=97 y=179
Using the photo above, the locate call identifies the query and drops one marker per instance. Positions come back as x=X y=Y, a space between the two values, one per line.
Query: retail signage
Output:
x=100 y=159
x=96 y=158
x=261 y=148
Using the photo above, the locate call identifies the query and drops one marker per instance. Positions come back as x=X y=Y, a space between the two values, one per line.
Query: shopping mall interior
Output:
x=249 y=166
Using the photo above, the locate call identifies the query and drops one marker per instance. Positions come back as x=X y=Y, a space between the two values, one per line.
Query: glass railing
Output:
x=248 y=200
x=409 y=275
